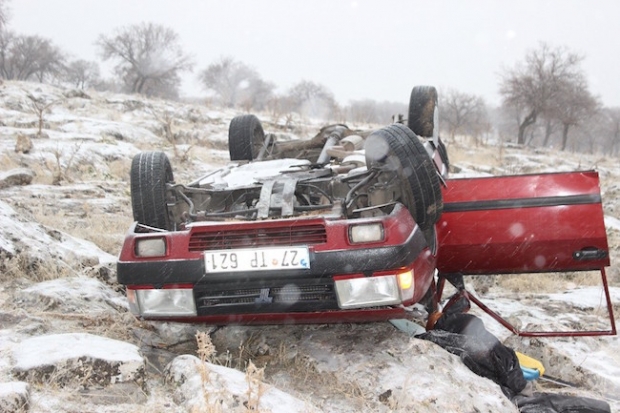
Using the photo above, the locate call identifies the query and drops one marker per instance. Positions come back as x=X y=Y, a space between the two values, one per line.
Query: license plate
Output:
x=263 y=259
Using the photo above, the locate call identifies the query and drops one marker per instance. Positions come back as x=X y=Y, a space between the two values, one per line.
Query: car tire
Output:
x=245 y=138
x=150 y=172
x=400 y=150
x=422 y=106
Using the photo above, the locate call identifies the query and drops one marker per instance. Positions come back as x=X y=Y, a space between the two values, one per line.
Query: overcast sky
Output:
x=358 y=49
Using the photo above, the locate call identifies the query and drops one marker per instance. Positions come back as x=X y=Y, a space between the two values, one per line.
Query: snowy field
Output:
x=69 y=344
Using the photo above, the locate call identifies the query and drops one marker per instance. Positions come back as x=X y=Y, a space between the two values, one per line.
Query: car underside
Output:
x=348 y=226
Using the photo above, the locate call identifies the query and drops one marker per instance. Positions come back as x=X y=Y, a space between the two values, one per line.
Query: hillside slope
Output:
x=64 y=208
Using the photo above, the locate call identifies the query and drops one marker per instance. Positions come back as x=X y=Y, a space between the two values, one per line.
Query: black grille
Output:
x=267 y=296
x=258 y=237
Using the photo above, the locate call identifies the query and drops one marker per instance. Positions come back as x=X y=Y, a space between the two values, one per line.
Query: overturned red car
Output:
x=349 y=226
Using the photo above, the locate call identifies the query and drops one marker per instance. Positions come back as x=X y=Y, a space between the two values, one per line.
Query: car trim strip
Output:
x=495 y=204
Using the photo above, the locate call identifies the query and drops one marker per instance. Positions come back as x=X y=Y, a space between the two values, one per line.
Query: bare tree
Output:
x=311 y=99
x=24 y=57
x=612 y=116
x=277 y=106
x=573 y=106
x=257 y=94
x=6 y=40
x=534 y=85
x=148 y=58
x=226 y=78
x=363 y=111
x=61 y=165
x=82 y=73
x=39 y=107
x=463 y=113
x=551 y=125
x=236 y=84
x=50 y=61
x=4 y=14
x=598 y=133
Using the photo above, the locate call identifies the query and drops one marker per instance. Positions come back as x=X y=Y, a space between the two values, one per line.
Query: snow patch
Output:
x=49 y=350
x=18 y=235
x=612 y=222
x=244 y=175
x=80 y=294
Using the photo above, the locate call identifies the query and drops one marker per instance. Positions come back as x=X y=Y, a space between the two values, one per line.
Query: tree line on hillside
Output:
x=546 y=101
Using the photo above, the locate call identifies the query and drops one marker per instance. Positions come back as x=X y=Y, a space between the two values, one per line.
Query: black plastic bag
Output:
x=560 y=403
x=465 y=335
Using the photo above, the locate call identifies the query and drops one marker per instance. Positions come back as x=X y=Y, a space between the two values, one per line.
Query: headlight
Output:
x=406 y=283
x=367 y=292
x=150 y=247
x=166 y=302
x=366 y=233
x=405 y=280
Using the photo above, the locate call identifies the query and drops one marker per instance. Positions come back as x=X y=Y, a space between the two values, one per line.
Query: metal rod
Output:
x=264 y=147
x=586 y=333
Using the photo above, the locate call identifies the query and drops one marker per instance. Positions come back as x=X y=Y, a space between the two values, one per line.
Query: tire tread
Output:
x=150 y=171
x=243 y=132
x=427 y=203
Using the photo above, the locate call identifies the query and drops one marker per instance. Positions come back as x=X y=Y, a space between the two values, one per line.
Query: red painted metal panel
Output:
x=523 y=223
x=184 y=244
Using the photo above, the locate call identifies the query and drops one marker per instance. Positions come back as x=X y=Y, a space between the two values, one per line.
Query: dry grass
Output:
x=42 y=175
x=254 y=377
x=107 y=233
x=206 y=352
x=461 y=152
x=547 y=283
x=613 y=273
x=23 y=265
x=120 y=169
x=105 y=230
x=302 y=374
x=8 y=162
x=63 y=164
x=205 y=154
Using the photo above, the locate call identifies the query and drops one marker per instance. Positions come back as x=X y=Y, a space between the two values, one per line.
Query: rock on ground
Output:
x=16 y=177
x=82 y=358
x=14 y=397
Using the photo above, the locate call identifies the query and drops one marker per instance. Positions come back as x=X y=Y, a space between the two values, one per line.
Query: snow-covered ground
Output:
x=68 y=343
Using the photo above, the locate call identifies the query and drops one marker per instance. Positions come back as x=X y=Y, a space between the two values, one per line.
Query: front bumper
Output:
x=302 y=295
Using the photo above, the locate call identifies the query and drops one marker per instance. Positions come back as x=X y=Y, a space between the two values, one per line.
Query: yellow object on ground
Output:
x=530 y=363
